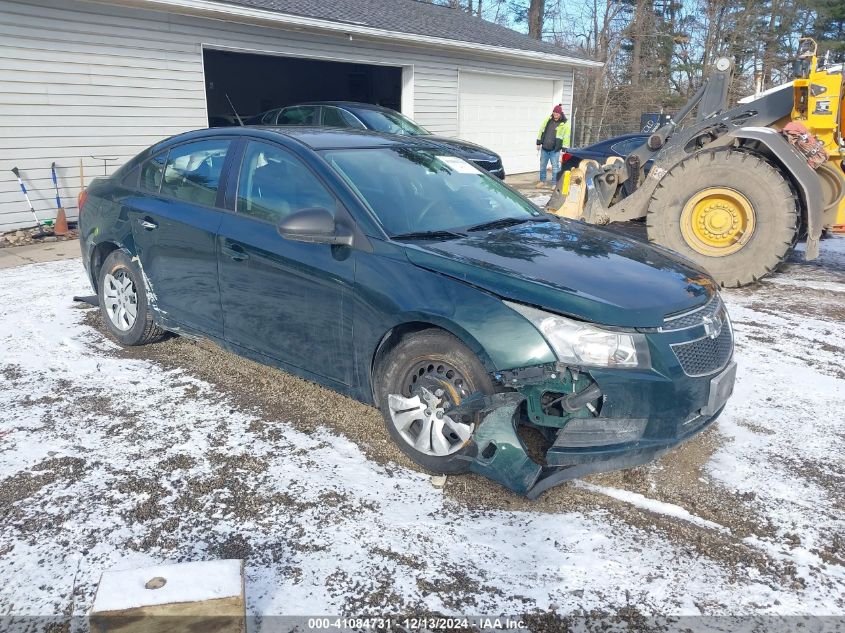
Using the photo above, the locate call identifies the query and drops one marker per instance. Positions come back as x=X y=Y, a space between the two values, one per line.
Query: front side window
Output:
x=389 y=122
x=414 y=190
x=193 y=171
x=152 y=171
x=333 y=117
x=274 y=183
x=298 y=115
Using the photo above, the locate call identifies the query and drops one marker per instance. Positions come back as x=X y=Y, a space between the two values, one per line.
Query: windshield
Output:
x=389 y=122
x=413 y=190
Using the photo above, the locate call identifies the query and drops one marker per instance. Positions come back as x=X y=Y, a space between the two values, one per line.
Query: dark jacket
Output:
x=553 y=135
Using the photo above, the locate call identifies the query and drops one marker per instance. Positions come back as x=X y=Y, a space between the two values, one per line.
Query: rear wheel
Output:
x=731 y=212
x=418 y=384
x=123 y=301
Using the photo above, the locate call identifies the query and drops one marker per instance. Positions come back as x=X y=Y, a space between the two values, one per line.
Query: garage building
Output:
x=102 y=81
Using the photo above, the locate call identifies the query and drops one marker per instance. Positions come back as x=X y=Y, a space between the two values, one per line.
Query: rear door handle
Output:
x=148 y=224
x=236 y=252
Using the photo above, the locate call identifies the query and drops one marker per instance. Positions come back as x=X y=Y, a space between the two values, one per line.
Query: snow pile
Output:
x=186 y=582
x=113 y=463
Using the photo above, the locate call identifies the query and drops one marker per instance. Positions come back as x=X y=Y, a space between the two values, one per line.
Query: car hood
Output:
x=464 y=148
x=574 y=269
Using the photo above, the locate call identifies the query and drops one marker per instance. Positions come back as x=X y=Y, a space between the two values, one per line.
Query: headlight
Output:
x=579 y=343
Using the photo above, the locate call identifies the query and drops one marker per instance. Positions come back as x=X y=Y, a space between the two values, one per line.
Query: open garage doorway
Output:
x=256 y=83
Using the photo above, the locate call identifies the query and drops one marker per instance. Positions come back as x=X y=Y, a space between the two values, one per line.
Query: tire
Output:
x=142 y=329
x=443 y=352
x=757 y=250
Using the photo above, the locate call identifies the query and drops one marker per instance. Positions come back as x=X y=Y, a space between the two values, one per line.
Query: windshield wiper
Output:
x=427 y=235
x=503 y=222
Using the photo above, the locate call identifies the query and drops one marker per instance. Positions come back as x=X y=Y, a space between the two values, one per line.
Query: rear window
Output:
x=625 y=147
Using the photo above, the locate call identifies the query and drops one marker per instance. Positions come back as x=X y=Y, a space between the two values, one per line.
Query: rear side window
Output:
x=130 y=179
x=151 y=173
x=270 y=117
x=193 y=170
x=274 y=183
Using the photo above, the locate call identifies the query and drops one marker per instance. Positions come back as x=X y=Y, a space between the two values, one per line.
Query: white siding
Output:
x=507 y=124
x=81 y=79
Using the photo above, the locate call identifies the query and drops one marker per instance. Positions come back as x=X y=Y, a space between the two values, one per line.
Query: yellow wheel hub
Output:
x=717 y=221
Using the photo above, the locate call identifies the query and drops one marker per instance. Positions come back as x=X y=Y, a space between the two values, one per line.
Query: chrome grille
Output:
x=706 y=355
x=694 y=318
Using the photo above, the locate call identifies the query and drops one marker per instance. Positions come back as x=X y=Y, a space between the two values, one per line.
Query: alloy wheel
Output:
x=121 y=300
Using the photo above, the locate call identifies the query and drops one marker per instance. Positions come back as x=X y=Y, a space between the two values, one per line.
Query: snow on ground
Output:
x=109 y=462
x=652 y=505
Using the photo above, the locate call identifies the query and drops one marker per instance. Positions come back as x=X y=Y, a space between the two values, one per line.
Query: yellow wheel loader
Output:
x=728 y=190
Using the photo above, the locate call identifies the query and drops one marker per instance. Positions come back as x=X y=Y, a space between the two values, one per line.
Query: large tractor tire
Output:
x=731 y=212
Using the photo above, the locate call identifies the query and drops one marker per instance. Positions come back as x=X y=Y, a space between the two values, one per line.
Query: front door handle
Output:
x=148 y=224
x=236 y=252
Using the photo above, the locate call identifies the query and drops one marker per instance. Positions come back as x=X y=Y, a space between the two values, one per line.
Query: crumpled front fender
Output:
x=501 y=455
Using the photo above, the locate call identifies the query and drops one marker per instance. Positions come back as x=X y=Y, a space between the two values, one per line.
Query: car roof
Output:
x=342 y=104
x=615 y=139
x=625 y=137
x=317 y=138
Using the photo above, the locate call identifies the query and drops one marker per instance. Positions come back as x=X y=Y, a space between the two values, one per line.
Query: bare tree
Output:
x=536 y=15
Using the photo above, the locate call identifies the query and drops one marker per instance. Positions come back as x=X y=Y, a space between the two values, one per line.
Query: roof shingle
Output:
x=415 y=17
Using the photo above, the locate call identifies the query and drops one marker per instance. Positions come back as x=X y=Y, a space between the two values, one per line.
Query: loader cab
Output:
x=818 y=98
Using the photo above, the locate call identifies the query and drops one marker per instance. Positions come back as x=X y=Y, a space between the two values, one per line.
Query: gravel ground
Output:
x=112 y=458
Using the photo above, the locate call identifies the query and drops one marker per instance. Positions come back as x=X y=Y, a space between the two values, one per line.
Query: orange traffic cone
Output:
x=60 y=225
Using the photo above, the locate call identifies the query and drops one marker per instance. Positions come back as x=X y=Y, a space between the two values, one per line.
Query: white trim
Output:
x=407 y=100
x=344 y=59
x=229 y=11
x=205 y=87
x=557 y=88
x=458 y=103
x=499 y=73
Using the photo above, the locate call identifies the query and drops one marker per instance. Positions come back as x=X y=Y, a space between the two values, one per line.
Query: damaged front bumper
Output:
x=576 y=413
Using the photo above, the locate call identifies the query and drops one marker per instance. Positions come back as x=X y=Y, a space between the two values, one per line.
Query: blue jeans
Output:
x=545 y=157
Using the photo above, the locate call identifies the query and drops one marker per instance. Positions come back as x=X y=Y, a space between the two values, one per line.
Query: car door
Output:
x=286 y=299
x=174 y=227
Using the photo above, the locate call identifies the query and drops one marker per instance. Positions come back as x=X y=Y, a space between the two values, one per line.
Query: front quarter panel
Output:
x=392 y=292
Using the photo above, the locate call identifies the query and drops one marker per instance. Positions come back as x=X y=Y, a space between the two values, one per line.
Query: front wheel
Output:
x=418 y=384
x=731 y=212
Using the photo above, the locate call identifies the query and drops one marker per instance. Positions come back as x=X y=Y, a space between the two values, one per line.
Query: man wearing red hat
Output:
x=551 y=139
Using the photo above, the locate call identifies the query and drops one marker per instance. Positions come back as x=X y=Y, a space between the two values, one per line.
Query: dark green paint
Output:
x=508 y=462
x=321 y=310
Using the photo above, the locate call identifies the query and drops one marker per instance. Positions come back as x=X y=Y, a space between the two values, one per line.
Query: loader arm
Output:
x=606 y=181
x=727 y=190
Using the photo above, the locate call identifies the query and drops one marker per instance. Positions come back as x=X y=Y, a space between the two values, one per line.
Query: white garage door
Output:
x=504 y=113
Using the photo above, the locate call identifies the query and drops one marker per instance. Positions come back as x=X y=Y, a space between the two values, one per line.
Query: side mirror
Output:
x=315 y=225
